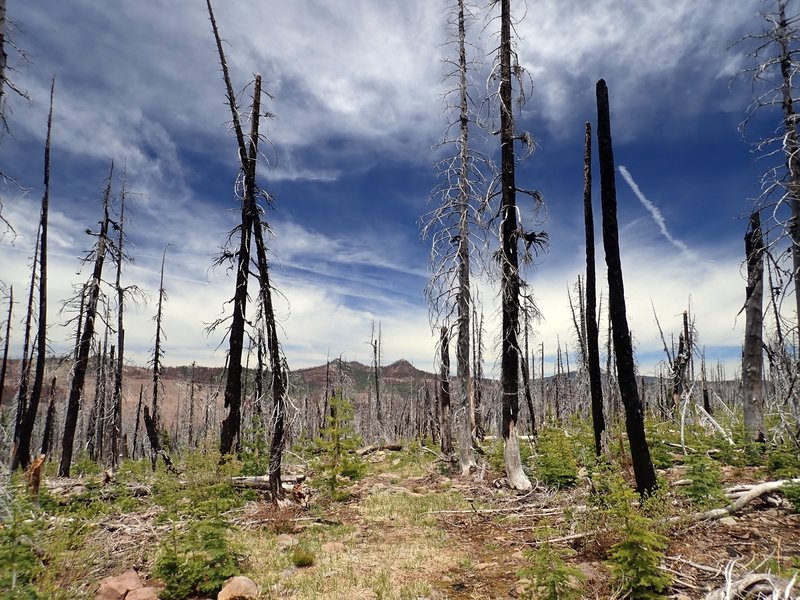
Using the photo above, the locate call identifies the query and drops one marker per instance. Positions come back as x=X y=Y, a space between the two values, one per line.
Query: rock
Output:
x=144 y=593
x=518 y=555
x=239 y=588
x=727 y=521
x=333 y=547
x=589 y=570
x=285 y=541
x=117 y=588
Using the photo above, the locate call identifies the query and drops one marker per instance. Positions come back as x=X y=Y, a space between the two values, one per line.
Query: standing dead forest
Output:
x=513 y=467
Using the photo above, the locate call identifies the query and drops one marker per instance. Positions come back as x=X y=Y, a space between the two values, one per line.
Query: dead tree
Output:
x=6 y=343
x=774 y=53
x=444 y=392
x=87 y=333
x=233 y=385
x=376 y=368
x=158 y=354
x=592 y=330
x=752 y=361
x=116 y=419
x=252 y=225
x=138 y=421
x=634 y=419
x=456 y=226
x=48 y=433
x=27 y=355
x=510 y=234
x=23 y=448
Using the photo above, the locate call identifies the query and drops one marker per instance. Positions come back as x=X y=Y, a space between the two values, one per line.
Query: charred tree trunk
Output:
x=6 y=344
x=190 y=436
x=634 y=419
x=25 y=363
x=233 y=384
x=510 y=279
x=116 y=421
x=477 y=354
x=50 y=420
x=154 y=436
x=138 y=420
x=463 y=299
x=29 y=418
x=752 y=362
x=79 y=376
x=592 y=330
x=444 y=392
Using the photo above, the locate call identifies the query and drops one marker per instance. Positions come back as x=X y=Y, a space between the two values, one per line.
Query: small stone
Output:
x=682 y=597
x=333 y=547
x=727 y=521
x=145 y=593
x=285 y=541
x=239 y=588
x=116 y=588
x=518 y=555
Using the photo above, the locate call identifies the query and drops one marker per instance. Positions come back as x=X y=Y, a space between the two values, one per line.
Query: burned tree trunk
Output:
x=233 y=384
x=27 y=354
x=752 y=362
x=444 y=393
x=138 y=421
x=7 y=343
x=509 y=252
x=50 y=420
x=82 y=362
x=29 y=418
x=592 y=330
x=634 y=419
x=116 y=419
x=158 y=353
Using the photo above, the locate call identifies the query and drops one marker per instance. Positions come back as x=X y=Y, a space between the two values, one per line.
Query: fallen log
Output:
x=755 y=585
x=261 y=482
x=377 y=448
x=743 y=496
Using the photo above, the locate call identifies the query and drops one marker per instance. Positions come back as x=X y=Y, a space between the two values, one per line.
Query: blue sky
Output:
x=357 y=93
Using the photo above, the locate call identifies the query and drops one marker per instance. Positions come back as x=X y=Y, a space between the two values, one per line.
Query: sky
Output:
x=357 y=88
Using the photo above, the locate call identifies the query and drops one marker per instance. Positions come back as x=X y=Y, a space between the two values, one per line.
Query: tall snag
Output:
x=509 y=258
x=6 y=343
x=29 y=419
x=153 y=417
x=87 y=333
x=592 y=332
x=456 y=225
x=752 y=361
x=252 y=225
x=634 y=419
x=233 y=384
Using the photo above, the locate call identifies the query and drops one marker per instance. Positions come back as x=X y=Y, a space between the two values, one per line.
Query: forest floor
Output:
x=409 y=528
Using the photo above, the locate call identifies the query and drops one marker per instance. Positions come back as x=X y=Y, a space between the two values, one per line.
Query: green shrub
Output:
x=196 y=561
x=337 y=444
x=555 y=463
x=705 y=489
x=19 y=563
x=302 y=557
x=552 y=577
x=783 y=461
x=636 y=558
x=636 y=546
x=792 y=493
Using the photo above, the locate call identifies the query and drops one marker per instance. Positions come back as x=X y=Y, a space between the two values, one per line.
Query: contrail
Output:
x=655 y=213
